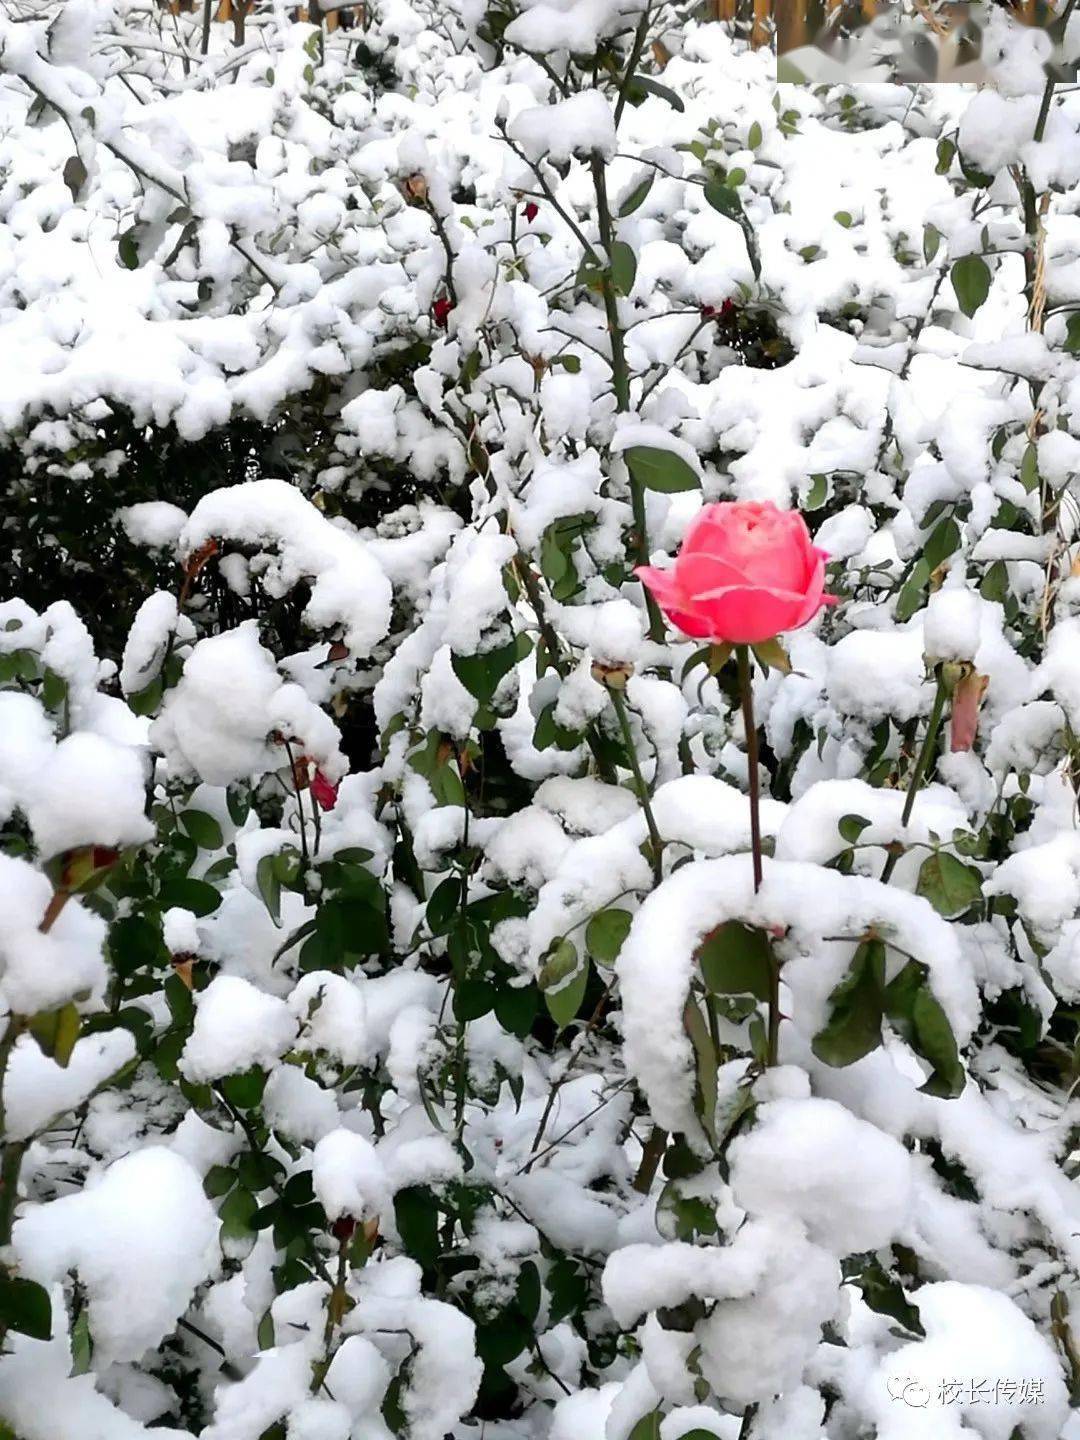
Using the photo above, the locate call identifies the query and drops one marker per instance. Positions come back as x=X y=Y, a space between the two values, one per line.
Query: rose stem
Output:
x=742 y=655
x=922 y=764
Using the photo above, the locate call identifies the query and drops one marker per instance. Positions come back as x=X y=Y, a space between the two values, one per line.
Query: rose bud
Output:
x=325 y=793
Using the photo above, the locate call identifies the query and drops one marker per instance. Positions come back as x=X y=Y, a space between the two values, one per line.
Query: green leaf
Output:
x=127 y=248
x=736 y=959
x=707 y=1064
x=529 y=1291
x=931 y=242
x=203 y=829
x=74 y=175
x=416 y=1214
x=724 y=200
x=136 y=943
x=623 y=267
x=856 y=1009
x=945 y=152
x=636 y=197
x=912 y=591
x=561 y=961
x=82 y=1347
x=951 y=886
x=971 y=281
x=565 y=1003
x=269 y=887
x=935 y=1042
x=851 y=827
x=660 y=470
x=885 y=1295
x=1029 y=469
x=516 y=1008
x=1072 y=334
x=146 y=701
x=771 y=654
x=194 y=895
x=754 y=136
x=244 y=1091
x=481 y=674
x=56 y=1032
x=25 y=1307
x=605 y=934
x=995 y=583
x=818 y=492
x=653 y=87
x=647 y=1428
x=943 y=541
x=473 y=997
x=444 y=904
x=237 y=1214
x=218 y=1181
x=54 y=689
x=844 y=218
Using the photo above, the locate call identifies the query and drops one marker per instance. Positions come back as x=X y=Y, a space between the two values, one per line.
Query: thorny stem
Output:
x=557 y=1085
x=262 y=1160
x=933 y=725
x=742 y=655
x=746 y=693
x=299 y=803
x=11 y=1155
x=620 y=376
x=655 y=842
x=524 y=573
x=335 y=1302
x=651 y=1155
x=640 y=36
x=13 y=1150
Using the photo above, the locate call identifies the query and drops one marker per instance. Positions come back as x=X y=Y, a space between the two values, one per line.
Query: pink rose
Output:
x=746 y=571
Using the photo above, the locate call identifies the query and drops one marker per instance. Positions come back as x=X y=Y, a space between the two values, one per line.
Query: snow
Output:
x=812 y=1162
x=44 y=970
x=237 y=1026
x=37 y=1090
x=141 y=1236
x=147 y=639
x=306 y=398
x=971 y=1331
x=92 y=792
x=583 y=124
x=348 y=1176
x=348 y=586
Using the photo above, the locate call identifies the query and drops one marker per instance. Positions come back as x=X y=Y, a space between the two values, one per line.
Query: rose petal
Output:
x=698 y=572
x=746 y=615
x=814 y=598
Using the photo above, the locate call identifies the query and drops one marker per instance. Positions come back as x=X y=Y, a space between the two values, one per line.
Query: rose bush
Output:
x=396 y=1040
